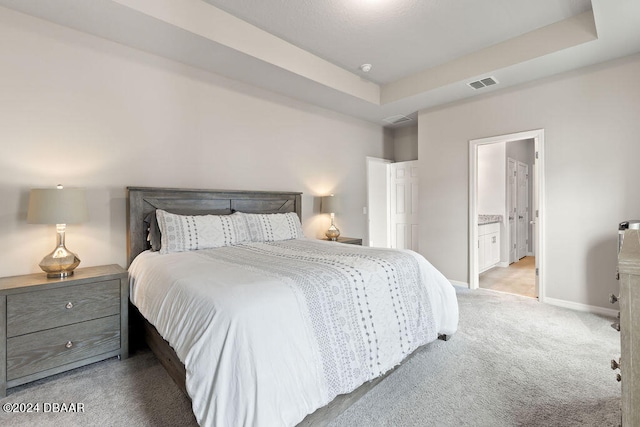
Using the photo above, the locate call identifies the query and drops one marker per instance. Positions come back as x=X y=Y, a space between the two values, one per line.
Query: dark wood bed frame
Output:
x=143 y=200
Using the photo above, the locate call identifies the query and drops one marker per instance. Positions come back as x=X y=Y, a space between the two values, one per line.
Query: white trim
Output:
x=458 y=283
x=582 y=307
x=538 y=137
x=539 y=198
x=502 y=264
x=473 y=215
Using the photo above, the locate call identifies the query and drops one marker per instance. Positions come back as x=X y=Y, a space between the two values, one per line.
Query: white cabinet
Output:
x=488 y=246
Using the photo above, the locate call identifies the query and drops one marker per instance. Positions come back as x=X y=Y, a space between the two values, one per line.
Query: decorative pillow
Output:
x=272 y=227
x=181 y=233
x=154 y=237
x=153 y=231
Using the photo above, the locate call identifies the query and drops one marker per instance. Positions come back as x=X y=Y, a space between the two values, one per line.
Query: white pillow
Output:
x=181 y=233
x=272 y=227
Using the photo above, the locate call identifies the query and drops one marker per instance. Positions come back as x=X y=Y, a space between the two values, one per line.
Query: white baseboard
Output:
x=456 y=283
x=581 y=307
x=502 y=264
x=609 y=312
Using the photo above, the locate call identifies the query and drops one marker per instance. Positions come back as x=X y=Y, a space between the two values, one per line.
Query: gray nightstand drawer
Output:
x=35 y=311
x=39 y=351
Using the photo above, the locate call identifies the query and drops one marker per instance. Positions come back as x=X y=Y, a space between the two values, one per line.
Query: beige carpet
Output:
x=513 y=362
x=518 y=278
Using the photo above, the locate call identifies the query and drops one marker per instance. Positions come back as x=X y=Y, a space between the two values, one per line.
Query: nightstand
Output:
x=348 y=240
x=48 y=326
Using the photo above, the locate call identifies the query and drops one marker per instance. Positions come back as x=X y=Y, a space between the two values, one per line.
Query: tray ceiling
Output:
x=424 y=52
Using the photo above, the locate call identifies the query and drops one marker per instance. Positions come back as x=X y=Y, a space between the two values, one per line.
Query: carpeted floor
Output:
x=513 y=362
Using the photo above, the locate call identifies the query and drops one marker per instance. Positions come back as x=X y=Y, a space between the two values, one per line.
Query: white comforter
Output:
x=269 y=332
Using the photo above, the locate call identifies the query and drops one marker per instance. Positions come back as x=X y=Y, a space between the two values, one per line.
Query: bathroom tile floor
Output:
x=518 y=278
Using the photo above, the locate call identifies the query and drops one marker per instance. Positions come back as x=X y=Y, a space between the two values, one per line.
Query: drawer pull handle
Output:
x=69 y=344
x=615 y=364
x=69 y=305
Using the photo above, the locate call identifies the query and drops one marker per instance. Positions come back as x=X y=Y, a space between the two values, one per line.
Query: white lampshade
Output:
x=330 y=204
x=57 y=206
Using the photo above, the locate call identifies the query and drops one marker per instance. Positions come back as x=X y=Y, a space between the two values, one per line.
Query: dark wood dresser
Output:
x=629 y=300
x=48 y=326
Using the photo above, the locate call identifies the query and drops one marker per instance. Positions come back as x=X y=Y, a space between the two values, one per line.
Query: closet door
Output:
x=512 y=211
x=404 y=205
x=523 y=209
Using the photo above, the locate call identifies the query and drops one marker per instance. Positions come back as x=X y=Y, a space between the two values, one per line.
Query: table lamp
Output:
x=330 y=205
x=60 y=206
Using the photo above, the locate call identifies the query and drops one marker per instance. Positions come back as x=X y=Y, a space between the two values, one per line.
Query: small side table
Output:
x=48 y=326
x=348 y=240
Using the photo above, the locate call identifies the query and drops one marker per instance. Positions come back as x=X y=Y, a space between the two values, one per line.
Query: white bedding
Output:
x=269 y=332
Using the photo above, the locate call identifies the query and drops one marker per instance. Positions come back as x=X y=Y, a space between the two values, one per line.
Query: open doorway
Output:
x=506 y=215
x=506 y=260
x=392 y=204
x=378 y=200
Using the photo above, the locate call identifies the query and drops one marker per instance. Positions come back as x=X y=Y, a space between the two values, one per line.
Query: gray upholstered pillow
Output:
x=181 y=233
x=272 y=227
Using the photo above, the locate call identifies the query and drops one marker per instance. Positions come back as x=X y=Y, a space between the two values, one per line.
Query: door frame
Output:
x=538 y=204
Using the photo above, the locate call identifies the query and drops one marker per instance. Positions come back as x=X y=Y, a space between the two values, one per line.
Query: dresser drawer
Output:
x=45 y=309
x=39 y=351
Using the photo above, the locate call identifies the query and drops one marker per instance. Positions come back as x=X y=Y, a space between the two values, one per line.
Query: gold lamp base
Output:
x=61 y=262
x=332 y=233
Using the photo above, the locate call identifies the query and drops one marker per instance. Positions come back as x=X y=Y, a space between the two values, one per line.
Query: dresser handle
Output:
x=615 y=364
x=69 y=344
x=69 y=305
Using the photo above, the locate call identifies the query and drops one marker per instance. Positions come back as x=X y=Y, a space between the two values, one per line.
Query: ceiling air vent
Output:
x=394 y=120
x=487 y=81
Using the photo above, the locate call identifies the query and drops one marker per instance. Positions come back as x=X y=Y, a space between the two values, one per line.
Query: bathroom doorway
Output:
x=505 y=214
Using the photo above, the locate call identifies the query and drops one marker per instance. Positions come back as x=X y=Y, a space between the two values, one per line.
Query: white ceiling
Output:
x=398 y=37
x=423 y=52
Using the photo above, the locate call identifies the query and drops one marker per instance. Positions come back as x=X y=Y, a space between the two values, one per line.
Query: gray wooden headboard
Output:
x=143 y=200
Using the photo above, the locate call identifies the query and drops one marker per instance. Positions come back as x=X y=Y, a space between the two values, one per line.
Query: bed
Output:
x=266 y=329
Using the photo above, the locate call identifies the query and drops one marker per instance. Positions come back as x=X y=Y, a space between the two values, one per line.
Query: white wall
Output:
x=492 y=179
x=492 y=184
x=82 y=111
x=405 y=143
x=590 y=118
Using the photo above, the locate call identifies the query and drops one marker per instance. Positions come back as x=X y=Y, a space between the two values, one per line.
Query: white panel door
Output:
x=404 y=205
x=378 y=201
x=512 y=209
x=523 y=209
